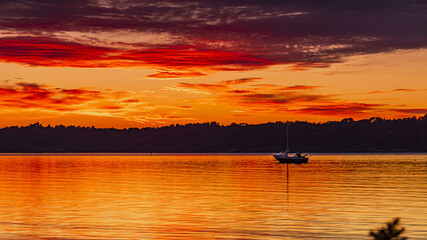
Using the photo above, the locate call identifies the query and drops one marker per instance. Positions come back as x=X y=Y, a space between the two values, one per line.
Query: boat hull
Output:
x=288 y=159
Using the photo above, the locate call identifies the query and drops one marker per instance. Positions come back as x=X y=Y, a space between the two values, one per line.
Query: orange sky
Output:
x=192 y=61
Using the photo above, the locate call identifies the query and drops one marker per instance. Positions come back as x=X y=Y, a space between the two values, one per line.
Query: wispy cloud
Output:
x=33 y=96
x=230 y=91
x=411 y=110
x=212 y=88
x=277 y=98
x=239 y=81
x=175 y=75
x=53 y=101
x=294 y=99
x=298 y=87
x=394 y=90
x=198 y=88
x=338 y=109
x=238 y=91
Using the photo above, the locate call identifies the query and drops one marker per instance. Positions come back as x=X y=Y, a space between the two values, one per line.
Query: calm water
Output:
x=210 y=197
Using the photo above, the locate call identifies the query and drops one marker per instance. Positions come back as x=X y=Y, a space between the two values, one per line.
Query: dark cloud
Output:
x=29 y=85
x=353 y=109
x=274 y=96
x=131 y=101
x=271 y=99
x=238 y=91
x=185 y=107
x=296 y=99
x=338 y=109
x=304 y=33
x=298 y=87
x=411 y=110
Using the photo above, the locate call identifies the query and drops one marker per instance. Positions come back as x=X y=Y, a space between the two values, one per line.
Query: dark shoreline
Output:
x=199 y=154
x=374 y=135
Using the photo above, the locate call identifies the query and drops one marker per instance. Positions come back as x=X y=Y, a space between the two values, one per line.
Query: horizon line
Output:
x=349 y=119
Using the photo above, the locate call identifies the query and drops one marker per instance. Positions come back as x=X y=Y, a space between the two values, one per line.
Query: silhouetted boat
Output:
x=287 y=157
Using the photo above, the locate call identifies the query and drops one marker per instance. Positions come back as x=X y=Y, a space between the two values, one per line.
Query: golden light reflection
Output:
x=197 y=197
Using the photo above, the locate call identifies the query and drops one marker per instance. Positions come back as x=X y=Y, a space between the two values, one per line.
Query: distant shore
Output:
x=198 y=154
x=373 y=135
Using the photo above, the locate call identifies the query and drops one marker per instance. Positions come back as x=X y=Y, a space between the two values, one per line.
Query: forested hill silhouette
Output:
x=367 y=135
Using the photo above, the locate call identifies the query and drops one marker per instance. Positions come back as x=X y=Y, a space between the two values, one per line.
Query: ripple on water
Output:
x=206 y=197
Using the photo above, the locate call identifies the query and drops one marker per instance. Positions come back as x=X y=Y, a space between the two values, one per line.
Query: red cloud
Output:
x=180 y=61
x=131 y=101
x=52 y=53
x=300 y=33
x=185 y=57
x=31 y=95
x=240 y=91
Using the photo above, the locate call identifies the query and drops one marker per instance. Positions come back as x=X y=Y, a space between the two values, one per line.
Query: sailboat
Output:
x=287 y=157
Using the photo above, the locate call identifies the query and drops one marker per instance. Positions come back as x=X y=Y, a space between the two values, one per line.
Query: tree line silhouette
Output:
x=366 y=135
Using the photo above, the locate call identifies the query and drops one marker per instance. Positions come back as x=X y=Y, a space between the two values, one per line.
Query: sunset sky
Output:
x=128 y=63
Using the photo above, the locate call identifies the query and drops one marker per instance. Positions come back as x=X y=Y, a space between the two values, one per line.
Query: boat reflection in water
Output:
x=287 y=180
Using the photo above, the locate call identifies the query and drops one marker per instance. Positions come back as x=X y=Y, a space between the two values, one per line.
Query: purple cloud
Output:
x=305 y=34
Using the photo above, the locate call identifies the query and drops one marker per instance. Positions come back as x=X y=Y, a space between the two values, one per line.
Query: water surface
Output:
x=209 y=197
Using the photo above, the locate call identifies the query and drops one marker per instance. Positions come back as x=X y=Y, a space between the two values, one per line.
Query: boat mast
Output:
x=287 y=138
